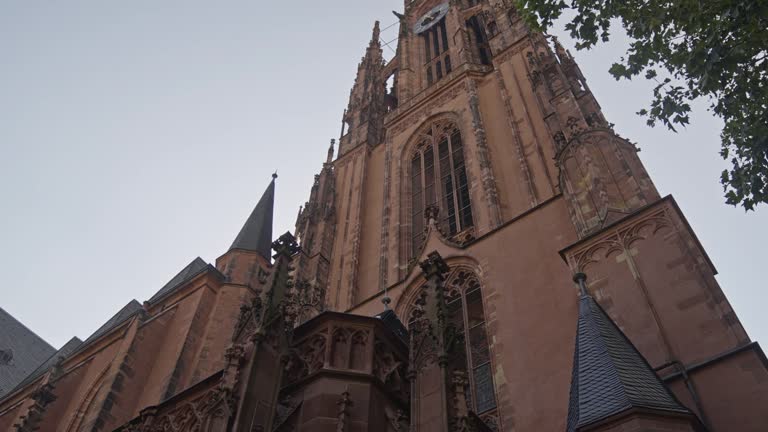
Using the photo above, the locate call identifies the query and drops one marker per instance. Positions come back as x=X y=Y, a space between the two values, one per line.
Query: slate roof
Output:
x=21 y=351
x=129 y=310
x=75 y=344
x=609 y=374
x=393 y=323
x=32 y=356
x=256 y=234
x=71 y=346
x=191 y=270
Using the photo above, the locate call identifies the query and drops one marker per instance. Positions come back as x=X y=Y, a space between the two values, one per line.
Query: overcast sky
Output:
x=137 y=135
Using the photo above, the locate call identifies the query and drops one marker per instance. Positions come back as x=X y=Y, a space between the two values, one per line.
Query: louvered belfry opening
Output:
x=437 y=60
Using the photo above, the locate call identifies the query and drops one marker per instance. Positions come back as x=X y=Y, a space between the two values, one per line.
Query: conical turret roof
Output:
x=256 y=234
x=609 y=374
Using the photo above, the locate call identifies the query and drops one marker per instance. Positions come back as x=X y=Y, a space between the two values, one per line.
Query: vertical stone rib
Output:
x=538 y=141
x=384 y=249
x=356 y=234
x=486 y=174
x=526 y=172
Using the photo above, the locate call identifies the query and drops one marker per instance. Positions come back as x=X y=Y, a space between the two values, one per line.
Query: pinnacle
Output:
x=376 y=34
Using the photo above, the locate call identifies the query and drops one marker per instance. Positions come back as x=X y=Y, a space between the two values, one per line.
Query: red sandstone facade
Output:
x=490 y=162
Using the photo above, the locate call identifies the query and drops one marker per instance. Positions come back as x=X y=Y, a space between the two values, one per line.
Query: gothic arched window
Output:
x=437 y=59
x=465 y=308
x=470 y=356
x=439 y=179
x=479 y=39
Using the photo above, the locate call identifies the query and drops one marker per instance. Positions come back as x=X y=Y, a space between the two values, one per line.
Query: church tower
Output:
x=490 y=154
x=480 y=252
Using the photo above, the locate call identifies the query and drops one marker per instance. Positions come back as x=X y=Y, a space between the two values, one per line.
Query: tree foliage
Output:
x=715 y=50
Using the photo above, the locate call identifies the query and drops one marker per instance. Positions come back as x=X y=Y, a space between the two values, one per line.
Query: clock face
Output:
x=430 y=18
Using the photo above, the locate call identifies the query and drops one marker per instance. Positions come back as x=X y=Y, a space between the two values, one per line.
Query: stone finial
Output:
x=329 y=158
x=431 y=213
x=460 y=383
x=376 y=34
x=343 y=414
x=581 y=280
x=386 y=300
x=285 y=245
x=434 y=265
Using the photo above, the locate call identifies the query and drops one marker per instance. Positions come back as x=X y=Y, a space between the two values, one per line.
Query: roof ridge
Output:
x=125 y=313
x=189 y=271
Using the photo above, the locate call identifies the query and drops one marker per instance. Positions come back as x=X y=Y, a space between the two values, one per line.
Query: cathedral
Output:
x=480 y=251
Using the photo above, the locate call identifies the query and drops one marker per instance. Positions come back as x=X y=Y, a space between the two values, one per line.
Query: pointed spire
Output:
x=329 y=159
x=610 y=375
x=376 y=35
x=256 y=234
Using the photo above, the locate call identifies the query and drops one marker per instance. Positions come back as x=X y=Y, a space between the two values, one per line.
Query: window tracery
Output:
x=437 y=60
x=439 y=182
x=470 y=355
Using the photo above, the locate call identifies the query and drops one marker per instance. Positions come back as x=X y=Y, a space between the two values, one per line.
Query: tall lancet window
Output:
x=465 y=307
x=439 y=179
x=470 y=355
x=437 y=59
x=479 y=39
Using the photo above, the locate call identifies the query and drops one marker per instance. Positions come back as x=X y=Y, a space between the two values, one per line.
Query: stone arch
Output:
x=357 y=354
x=75 y=423
x=188 y=419
x=340 y=346
x=413 y=289
x=471 y=355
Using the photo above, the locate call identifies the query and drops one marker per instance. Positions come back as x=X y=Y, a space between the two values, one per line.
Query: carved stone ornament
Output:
x=250 y=319
x=234 y=356
x=464 y=237
x=343 y=414
x=619 y=240
x=309 y=299
x=285 y=245
x=434 y=265
x=210 y=411
x=574 y=126
x=431 y=213
x=594 y=120
x=398 y=420
x=460 y=382
x=390 y=370
x=560 y=141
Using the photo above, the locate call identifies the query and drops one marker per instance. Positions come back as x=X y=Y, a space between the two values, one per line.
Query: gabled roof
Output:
x=191 y=270
x=71 y=346
x=129 y=310
x=21 y=351
x=256 y=234
x=609 y=373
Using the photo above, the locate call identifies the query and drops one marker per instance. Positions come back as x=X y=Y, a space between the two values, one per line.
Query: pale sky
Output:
x=137 y=135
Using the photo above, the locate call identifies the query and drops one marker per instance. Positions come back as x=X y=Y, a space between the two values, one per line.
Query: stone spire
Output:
x=256 y=234
x=364 y=116
x=329 y=157
x=376 y=35
x=610 y=376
